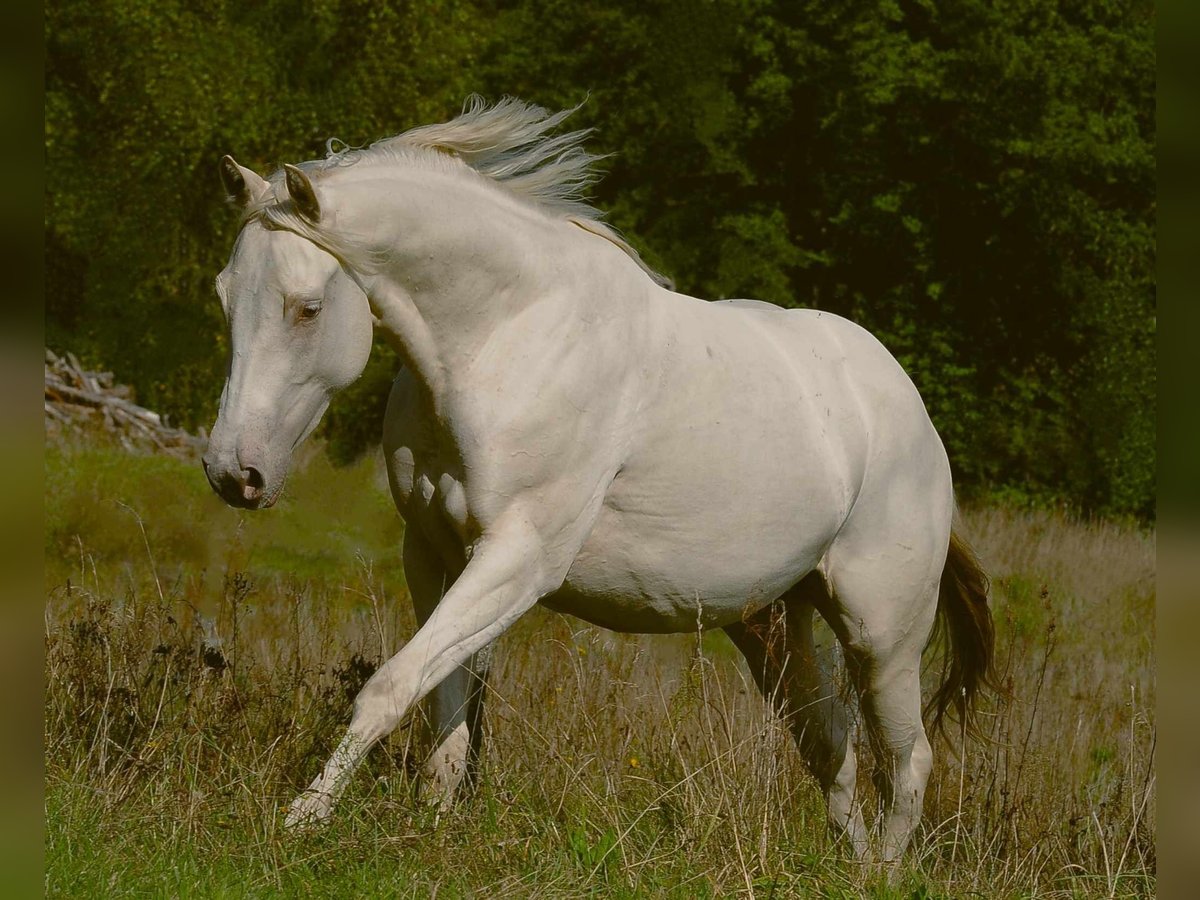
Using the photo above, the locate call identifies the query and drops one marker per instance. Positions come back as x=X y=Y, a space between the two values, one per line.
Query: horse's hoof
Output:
x=310 y=809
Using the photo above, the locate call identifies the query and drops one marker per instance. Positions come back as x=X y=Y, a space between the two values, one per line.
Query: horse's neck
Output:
x=441 y=260
x=469 y=266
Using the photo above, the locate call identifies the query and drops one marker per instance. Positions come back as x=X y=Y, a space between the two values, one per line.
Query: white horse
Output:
x=568 y=431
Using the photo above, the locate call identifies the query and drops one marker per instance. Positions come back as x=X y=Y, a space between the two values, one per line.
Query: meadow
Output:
x=201 y=662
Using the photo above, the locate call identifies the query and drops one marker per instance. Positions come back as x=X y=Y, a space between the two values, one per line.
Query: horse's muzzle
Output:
x=244 y=488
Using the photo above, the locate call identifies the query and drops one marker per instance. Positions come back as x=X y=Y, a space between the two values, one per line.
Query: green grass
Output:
x=201 y=663
x=100 y=498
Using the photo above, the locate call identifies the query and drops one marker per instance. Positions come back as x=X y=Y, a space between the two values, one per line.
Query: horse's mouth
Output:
x=262 y=501
x=239 y=498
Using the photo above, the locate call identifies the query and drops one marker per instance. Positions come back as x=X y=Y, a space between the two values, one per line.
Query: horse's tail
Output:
x=963 y=615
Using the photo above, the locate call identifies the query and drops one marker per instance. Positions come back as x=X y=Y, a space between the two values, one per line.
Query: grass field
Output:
x=201 y=663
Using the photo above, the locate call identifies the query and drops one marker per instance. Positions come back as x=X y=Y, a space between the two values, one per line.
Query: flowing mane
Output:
x=513 y=144
x=510 y=143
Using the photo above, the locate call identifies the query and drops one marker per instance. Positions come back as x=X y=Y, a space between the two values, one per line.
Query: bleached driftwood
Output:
x=77 y=397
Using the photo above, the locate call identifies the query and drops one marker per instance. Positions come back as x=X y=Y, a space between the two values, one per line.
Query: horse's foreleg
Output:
x=456 y=705
x=503 y=579
x=457 y=724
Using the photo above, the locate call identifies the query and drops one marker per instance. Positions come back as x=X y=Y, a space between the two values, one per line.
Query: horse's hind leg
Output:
x=454 y=707
x=885 y=596
x=777 y=642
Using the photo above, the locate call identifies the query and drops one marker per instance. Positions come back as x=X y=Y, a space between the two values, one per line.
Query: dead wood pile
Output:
x=77 y=398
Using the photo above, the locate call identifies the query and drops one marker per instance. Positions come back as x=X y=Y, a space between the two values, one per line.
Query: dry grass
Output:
x=185 y=707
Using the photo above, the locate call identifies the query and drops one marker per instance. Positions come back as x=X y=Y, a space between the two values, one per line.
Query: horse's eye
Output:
x=309 y=310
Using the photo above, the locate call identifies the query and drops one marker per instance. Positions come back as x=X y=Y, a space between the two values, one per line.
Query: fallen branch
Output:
x=76 y=398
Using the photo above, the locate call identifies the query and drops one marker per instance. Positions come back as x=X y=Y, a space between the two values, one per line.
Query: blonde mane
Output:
x=511 y=143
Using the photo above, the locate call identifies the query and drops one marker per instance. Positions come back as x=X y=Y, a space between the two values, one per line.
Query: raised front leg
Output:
x=506 y=575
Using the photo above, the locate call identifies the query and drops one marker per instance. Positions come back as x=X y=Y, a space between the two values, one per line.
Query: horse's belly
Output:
x=644 y=575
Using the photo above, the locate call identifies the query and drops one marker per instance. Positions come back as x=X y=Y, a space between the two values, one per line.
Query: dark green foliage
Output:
x=974 y=182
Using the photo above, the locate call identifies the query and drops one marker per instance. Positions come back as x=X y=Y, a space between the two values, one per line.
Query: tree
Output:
x=972 y=182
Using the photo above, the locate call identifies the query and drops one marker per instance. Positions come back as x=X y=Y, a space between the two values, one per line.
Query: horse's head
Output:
x=300 y=330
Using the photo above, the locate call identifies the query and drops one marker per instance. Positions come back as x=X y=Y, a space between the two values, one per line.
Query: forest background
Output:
x=974 y=182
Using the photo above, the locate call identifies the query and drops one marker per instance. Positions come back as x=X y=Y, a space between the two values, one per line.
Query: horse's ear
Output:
x=301 y=191
x=241 y=184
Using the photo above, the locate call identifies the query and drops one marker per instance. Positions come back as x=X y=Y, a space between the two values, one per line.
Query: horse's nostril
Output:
x=252 y=483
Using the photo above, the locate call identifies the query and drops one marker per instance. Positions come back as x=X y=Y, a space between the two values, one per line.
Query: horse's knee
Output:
x=375 y=715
